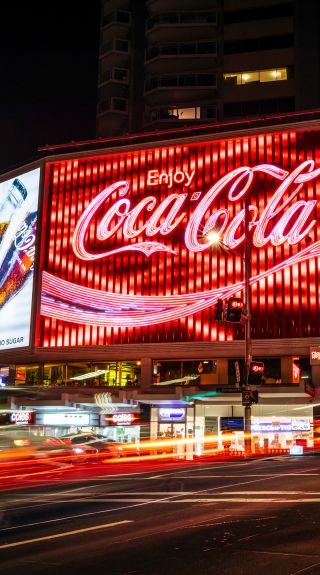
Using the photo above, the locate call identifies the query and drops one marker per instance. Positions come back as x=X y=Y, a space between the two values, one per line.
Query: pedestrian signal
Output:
x=235 y=308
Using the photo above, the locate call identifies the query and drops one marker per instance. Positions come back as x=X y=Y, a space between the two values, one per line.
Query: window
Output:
x=183 y=49
x=271 y=106
x=121 y=74
x=120 y=16
x=272 y=75
x=187 y=18
x=116 y=74
x=121 y=45
x=185 y=113
x=182 y=81
x=182 y=113
x=119 y=104
x=181 y=372
x=257 y=44
x=258 y=13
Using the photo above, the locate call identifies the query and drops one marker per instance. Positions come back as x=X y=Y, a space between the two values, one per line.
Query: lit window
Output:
x=273 y=75
x=185 y=113
x=248 y=77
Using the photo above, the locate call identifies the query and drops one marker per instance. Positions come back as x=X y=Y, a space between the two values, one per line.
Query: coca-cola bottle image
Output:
x=16 y=195
x=18 y=262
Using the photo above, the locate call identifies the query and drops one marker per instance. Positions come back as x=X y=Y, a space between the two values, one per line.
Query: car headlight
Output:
x=78 y=450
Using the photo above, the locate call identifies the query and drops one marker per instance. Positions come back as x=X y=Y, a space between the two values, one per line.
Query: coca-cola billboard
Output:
x=128 y=257
x=18 y=223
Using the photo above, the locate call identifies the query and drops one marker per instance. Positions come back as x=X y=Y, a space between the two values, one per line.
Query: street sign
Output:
x=228 y=389
x=217 y=391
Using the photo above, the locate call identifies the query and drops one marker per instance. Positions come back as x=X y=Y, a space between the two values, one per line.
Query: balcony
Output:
x=188 y=56
x=182 y=88
x=179 y=26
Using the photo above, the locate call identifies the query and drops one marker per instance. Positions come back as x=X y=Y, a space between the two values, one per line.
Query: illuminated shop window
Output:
x=182 y=372
x=27 y=375
x=4 y=376
x=302 y=369
x=272 y=370
x=91 y=374
x=258 y=76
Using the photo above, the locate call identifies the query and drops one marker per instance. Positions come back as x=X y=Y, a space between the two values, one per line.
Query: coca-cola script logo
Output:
x=284 y=219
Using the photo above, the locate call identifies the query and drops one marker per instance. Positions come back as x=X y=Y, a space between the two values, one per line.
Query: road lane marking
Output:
x=64 y=534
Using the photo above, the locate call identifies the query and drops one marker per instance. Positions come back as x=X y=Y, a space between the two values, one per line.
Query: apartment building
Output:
x=167 y=64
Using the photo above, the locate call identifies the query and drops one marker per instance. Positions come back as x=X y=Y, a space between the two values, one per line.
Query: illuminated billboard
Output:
x=128 y=258
x=18 y=225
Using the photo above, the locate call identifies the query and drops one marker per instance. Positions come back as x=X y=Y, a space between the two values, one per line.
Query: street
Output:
x=176 y=518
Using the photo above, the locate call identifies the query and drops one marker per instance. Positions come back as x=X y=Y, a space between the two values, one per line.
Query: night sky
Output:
x=49 y=65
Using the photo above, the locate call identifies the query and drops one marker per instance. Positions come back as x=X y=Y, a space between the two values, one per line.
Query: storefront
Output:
x=120 y=426
x=281 y=433
x=274 y=426
x=58 y=422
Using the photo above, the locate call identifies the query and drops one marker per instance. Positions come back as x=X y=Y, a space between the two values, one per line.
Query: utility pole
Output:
x=247 y=337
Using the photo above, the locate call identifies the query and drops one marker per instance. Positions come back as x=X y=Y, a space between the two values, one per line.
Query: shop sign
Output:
x=315 y=355
x=123 y=418
x=21 y=417
x=281 y=426
x=171 y=414
x=118 y=419
x=66 y=418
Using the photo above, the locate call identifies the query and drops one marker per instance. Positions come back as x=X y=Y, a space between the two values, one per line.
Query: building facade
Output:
x=109 y=280
x=164 y=65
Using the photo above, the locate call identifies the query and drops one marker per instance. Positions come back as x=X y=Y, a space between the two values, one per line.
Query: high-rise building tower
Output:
x=166 y=64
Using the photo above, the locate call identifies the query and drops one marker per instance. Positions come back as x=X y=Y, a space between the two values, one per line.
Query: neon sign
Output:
x=129 y=246
x=295 y=223
x=123 y=418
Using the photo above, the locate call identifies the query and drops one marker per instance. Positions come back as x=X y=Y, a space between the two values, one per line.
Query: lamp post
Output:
x=247 y=336
x=247 y=316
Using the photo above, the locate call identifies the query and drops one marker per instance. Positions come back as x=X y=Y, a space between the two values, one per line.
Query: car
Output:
x=76 y=438
x=23 y=446
x=103 y=445
x=96 y=442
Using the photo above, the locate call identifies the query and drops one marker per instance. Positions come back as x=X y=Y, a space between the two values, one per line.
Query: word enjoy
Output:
x=155 y=178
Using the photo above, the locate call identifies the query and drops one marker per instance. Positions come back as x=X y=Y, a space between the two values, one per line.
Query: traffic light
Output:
x=234 y=311
x=256 y=371
x=254 y=396
x=249 y=396
x=218 y=310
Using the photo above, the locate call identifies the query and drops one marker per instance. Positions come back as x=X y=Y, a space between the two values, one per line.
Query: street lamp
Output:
x=215 y=239
x=247 y=335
